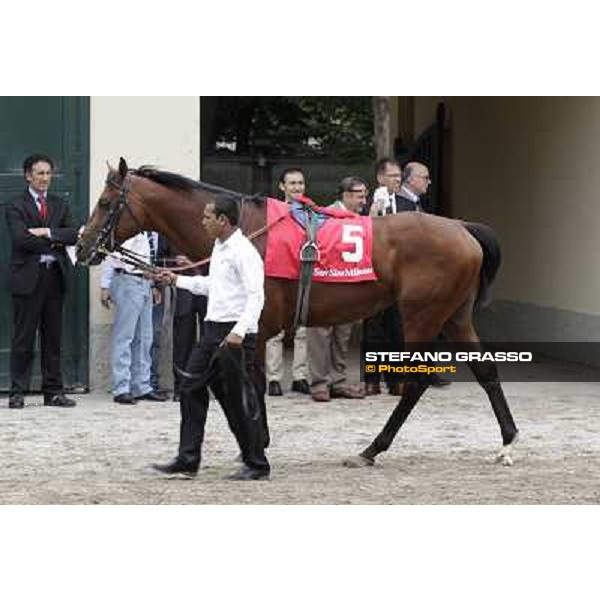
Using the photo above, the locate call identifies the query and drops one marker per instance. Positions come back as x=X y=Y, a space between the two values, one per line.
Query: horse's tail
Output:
x=488 y=241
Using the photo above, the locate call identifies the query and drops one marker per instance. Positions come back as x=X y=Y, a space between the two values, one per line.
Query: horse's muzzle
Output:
x=87 y=254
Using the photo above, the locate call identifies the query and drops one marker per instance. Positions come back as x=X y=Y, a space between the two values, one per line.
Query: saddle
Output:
x=304 y=213
x=308 y=245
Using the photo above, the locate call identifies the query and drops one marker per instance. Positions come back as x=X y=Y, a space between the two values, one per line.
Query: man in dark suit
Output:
x=188 y=309
x=188 y=323
x=160 y=295
x=399 y=191
x=415 y=183
x=40 y=227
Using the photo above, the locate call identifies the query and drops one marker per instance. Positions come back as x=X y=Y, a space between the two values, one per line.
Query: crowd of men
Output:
x=41 y=228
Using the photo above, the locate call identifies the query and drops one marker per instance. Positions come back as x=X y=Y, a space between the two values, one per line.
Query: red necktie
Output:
x=43 y=207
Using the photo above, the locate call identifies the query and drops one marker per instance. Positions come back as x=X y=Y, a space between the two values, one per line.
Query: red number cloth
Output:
x=345 y=244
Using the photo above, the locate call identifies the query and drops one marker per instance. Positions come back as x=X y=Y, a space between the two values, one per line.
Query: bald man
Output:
x=415 y=183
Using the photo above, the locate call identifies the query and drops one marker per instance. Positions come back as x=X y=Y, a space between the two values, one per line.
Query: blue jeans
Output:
x=131 y=335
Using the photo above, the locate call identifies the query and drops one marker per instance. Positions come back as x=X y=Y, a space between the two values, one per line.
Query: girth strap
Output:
x=309 y=254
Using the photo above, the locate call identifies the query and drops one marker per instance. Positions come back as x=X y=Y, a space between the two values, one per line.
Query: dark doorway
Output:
x=248 y=140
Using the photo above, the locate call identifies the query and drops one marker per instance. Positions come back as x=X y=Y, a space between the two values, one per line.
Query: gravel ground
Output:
x=99 y=452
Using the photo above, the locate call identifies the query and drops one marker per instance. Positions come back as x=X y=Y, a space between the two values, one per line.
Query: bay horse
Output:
x=433 y=268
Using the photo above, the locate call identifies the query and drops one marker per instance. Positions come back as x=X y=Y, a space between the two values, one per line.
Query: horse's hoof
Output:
x=505 y=460
x=505 y=455
x=356 y=462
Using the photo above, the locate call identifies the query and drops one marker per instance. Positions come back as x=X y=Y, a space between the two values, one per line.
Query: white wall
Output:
x=161 y=131
x=529 y=168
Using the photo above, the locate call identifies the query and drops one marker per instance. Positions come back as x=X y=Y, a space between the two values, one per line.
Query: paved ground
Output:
x=99 y=452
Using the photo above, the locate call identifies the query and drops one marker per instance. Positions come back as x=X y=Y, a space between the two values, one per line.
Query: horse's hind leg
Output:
x=486 y=374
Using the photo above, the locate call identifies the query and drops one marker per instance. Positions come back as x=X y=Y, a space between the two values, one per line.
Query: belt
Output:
x=126 y=272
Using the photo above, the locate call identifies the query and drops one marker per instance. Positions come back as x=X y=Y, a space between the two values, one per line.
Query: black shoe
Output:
x=395 y=389
x=275 y=389
x=177 y=467
x=246 y=473
x=152 y=396
x=125 y=398
x=176 y=397
x=16 y=401
x=372 y=389
x=436 y=381
x=59 y=400
x=301 y=386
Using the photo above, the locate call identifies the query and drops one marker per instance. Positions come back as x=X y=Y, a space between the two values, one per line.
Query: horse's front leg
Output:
x=411 y=393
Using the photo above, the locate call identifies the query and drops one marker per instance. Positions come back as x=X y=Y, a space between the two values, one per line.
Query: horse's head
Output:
x=113 y=219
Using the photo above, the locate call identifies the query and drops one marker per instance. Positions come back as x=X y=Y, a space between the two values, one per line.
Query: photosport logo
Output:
x=518 y=362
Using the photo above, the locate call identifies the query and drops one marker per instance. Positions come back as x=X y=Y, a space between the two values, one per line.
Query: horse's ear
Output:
x=110 y=167
x=123 y=168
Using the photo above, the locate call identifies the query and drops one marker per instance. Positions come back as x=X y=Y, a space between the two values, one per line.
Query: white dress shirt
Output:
x=138 y=244
x=44 y=258
x=234 y=284
x=381 y=201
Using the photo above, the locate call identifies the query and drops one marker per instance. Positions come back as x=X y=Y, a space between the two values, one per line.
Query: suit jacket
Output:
x=404 y=203
x=21 y=214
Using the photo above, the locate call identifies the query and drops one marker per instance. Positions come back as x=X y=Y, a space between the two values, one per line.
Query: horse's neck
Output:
x=179 y=218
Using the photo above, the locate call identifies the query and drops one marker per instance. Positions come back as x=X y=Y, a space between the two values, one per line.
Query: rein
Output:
x=206 y=260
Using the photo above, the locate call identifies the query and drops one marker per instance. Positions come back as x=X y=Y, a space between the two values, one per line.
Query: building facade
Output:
x=525 y=166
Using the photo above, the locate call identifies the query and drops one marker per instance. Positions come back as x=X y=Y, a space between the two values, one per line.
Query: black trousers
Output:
x=246 y=425
x=383 y=332
x=41 y=310
x=186 y=329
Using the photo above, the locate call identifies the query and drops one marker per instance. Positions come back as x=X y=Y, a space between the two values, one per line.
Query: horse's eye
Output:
x=104 y=202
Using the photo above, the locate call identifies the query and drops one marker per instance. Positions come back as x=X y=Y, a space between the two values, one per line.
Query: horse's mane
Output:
x=179 y=182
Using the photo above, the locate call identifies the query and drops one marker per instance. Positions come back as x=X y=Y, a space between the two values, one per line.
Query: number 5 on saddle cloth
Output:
x=307 y=242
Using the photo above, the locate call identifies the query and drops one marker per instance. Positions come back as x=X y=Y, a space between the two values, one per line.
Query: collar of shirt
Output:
x=231 y=240
x=410 y=195
x=339 y=205
x=36 y=195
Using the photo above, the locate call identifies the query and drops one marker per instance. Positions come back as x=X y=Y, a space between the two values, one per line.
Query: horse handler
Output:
x=235 y=290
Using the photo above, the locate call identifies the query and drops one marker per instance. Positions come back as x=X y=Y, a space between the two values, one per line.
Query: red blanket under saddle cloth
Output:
x=345 y=244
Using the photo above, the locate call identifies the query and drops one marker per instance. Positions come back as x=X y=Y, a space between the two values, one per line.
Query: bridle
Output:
x=105 y=242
